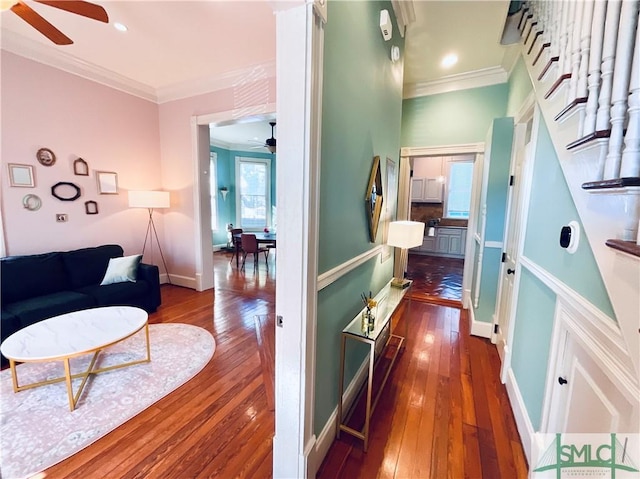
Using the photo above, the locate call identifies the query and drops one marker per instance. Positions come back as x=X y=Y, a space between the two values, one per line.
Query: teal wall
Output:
x=497 y=160
x=519 y=87
x=531 y=342
x=552 y=207
x=226 y=175
x=362 y=109
x=452 y=118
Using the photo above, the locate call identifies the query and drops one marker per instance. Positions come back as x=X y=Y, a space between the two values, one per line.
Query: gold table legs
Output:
x=68 y=377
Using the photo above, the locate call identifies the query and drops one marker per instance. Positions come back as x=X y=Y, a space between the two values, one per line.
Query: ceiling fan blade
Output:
x=85 y=9
x=36 y=21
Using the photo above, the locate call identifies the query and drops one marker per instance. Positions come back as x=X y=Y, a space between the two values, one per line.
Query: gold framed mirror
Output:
x=373 y=199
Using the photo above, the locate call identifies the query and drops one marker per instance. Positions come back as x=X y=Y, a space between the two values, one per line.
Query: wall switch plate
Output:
x=61 y=217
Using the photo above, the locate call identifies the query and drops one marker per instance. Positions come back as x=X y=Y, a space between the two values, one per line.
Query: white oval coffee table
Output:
x=75 y=334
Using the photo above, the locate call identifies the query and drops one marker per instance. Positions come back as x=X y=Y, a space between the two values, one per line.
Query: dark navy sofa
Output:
x=39 y=286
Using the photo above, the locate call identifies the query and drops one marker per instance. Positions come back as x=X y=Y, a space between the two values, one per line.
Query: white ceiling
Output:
x=175 y=48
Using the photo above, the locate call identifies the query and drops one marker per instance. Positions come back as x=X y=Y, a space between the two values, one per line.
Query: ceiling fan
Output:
x=85 y=9
x=269 y=143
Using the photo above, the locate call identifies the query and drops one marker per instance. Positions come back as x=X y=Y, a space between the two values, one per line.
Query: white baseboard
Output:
x=479 y=328
x=178 y=280
x=328 y=434
x=523 y=423
x=466 y=299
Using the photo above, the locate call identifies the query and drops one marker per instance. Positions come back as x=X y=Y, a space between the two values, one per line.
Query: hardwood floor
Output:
x=444 y=414
x=436 y=279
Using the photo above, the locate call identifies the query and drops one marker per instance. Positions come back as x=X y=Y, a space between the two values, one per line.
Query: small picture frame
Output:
x=91 y=207
x=107 y=182
x=46 y=157
x=80 y=167
x=21 y=176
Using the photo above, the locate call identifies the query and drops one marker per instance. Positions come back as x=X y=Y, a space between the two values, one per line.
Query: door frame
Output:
x=477 y=149
x=528 y=111
x=200 y=141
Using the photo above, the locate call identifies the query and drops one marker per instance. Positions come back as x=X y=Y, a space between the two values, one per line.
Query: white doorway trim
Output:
x=200 y=141
x=447 y=150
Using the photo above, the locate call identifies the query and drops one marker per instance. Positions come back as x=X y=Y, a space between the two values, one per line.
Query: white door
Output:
x=522 y=143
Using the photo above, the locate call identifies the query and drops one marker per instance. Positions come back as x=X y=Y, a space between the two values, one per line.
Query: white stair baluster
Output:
x=620 y=92
x=595 y=61
x=585 y=47
x=567 y=22
x=608 y=58
x=575 y=51
x=630 y=166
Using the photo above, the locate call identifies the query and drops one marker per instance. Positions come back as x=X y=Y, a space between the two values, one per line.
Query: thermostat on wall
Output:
x=570 y=236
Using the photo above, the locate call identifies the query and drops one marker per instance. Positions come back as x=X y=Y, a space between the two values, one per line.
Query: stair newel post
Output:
x=630 y=166
x=621 y=78
x=595 y=61
x=575 y=51
x=608 y=59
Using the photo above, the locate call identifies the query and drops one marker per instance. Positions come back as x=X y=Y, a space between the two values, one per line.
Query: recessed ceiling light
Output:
x=120 y=27
x=449 y=60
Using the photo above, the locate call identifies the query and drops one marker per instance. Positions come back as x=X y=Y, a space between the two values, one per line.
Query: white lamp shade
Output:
x=149 y=199
x=405 y=234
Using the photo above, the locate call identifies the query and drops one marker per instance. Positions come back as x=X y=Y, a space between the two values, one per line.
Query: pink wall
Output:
x=112 y=131
x=149 y=146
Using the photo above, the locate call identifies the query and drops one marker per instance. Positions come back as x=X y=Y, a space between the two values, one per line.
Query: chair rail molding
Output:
x=331 y=276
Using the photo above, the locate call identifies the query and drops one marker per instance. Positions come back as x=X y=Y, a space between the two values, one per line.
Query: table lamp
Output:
x=404 y=235
x=151 y=200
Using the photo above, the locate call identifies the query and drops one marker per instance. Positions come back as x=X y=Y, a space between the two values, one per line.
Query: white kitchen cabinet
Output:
x=426 y=190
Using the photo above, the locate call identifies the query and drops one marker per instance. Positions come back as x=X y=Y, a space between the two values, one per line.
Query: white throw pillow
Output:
x=122 y=269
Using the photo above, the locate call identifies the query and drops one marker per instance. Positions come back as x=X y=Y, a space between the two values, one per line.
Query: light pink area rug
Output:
x=37 y=430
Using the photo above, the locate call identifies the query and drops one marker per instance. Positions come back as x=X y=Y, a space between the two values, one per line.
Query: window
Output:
x=458 y=200
x=253 y=193
x=213 y=189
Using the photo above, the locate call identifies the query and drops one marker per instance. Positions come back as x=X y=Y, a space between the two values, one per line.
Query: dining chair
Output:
x=236 y=242
x=250 y=245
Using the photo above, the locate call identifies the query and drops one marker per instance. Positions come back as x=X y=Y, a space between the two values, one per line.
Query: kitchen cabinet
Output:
x=449 y=242
x=427 y=190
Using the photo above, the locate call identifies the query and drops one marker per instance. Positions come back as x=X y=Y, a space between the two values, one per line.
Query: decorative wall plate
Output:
x=46 y=157
x=65 y=191
x=31 y=202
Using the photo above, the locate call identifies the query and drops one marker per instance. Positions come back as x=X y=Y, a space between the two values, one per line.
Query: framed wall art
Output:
x=21 y=175
x=65 y=191
x=107 y=182
x=46 y=157
x=80 y=167
x=91 y=207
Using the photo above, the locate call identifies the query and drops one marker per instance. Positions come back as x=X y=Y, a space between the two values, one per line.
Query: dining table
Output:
x=261 y=237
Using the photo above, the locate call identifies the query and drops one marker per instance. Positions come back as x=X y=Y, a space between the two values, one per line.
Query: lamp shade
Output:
x=149 y=199
x=405 y=234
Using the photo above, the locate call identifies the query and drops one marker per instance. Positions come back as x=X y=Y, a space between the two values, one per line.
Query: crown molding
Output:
x=57 y=58
x=405 y=14
x=462 y=81
x=255 y=73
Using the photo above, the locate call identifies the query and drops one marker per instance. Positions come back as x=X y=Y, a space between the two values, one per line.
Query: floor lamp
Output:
x=404 y=235
x=151 y=200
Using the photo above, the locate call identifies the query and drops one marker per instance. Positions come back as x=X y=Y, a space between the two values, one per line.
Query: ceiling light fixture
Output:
x=449 y=60
x=120 y=27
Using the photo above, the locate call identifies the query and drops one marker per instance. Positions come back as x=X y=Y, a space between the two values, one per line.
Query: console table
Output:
x=389 y=299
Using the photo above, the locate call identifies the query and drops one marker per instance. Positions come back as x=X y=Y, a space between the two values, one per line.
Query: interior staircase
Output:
x=583 y=58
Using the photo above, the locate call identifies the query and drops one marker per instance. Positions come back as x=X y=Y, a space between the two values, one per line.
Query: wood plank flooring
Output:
x=444 y=413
